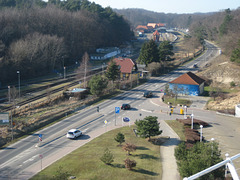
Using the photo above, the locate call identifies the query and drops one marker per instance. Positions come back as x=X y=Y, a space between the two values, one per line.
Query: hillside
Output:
x=222 y=73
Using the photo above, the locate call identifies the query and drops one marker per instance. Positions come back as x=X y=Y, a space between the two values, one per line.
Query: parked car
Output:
x=147 y=94
x=73 y=133
x=125 y=106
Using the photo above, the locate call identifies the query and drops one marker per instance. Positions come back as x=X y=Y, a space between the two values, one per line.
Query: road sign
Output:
x=126 y=119
x=40 y=137
x=117 y=110
x=4 y=119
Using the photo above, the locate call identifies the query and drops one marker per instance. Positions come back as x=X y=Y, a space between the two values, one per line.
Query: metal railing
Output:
x=229 y=164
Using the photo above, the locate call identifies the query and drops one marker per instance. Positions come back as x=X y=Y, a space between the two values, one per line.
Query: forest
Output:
x=38 y=37
x=220 y=27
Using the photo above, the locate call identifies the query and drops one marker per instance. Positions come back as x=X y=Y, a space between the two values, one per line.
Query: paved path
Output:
x=169 y=165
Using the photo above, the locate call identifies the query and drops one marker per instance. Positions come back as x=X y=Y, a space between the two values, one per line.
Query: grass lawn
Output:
x=177 y=127
x=84 y=163
x=177 y=101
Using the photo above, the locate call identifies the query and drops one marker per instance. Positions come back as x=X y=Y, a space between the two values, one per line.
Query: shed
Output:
x=188 y=84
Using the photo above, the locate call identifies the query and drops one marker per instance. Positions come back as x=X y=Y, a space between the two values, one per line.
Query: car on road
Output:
x=147 y=94
x=125 y=106
x=195 y=65
x=73 y=133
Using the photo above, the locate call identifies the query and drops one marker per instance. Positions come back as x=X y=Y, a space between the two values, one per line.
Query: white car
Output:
x=73 y=133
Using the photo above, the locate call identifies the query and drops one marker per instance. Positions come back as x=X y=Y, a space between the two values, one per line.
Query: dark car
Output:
x=125 y=106
x=147 y=94
x=195 y=65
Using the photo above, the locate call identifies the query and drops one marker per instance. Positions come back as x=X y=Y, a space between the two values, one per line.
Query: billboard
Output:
x=4 y=119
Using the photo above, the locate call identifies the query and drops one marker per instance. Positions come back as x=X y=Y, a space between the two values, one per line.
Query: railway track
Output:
x=45 y=94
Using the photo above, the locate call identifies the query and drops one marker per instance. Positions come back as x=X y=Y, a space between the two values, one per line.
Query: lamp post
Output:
x=18 y=72
x=9 y=93
x=212 y=139
x=201 y=126
x=192 y=121
x=103 y=67
x=64 y=72
x=185 y=112
x=226 y=155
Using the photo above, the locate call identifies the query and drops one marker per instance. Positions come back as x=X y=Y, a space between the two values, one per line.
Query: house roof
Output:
x=126 y=64
x=156 y=33
x=141 y=27
x=152 y=24
x=188 y=78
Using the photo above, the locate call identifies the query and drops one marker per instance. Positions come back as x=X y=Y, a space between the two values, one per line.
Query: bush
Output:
x=232 y=84
x=129 y=164
x=129 y=148
x=107 y=157
x=120 y=138
x=201 y=156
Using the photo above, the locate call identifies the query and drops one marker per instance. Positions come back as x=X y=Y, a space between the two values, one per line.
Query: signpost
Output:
x=105 y=122
x=117 y=111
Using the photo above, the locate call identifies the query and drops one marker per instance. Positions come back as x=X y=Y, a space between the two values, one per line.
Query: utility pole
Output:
x=18 y=72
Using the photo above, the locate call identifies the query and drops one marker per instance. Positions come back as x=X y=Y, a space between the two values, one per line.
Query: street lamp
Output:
x=185 y=112
x=18 y=72
x=64 y=72
x=212 y=139
x=201 y=126
x=226 y=155
x=103 y=67
x=192 y=120
x=9 y=93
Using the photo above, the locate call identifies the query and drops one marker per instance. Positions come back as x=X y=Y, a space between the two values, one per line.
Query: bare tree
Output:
x=84 y=68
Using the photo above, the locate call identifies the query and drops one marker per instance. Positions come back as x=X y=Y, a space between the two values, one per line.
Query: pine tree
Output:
x=120 y=138
x=107 y=157
x=149 y=53
x=148 y=127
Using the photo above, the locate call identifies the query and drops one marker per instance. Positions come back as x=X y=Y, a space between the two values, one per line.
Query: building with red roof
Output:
x=188 y=84
x=127 y=66
x=156 y=36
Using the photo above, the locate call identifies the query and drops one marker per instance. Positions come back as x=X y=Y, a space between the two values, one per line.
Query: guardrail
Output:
x=228 y=162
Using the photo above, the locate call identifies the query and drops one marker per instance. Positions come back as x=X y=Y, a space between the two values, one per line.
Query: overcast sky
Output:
x=172 y=6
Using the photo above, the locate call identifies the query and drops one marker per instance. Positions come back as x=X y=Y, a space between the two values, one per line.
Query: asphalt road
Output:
x=27 y=157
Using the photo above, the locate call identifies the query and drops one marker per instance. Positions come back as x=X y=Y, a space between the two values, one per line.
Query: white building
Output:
x=105 y=53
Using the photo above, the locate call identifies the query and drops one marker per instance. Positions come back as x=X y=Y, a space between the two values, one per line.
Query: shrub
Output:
x=129 y=164
x=197 y=158
x=129 y=148
x=120 y=138
x=232 y=84
x=107 y=157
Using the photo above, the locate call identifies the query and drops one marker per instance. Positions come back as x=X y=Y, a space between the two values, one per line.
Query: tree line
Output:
x=38 y=37
x=223 y=28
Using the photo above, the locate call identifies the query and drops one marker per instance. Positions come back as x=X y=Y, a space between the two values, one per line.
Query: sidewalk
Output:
x=169 y=165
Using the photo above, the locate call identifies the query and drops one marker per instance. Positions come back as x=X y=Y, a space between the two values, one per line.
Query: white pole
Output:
x=201 y=126
x=192 y=121
x=64 y=72
x=226 y=155
x=212 y=139
x=9 y=93
x=18 y=72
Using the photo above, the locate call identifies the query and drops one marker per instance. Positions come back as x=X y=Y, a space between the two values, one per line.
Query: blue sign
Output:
x=40 y=137
x=126 y=119
x=117 y=110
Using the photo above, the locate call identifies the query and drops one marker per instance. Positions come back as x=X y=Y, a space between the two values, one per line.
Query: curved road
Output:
x=27 y=157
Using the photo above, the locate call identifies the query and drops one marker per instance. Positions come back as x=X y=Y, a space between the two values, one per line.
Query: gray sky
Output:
x=172 y=6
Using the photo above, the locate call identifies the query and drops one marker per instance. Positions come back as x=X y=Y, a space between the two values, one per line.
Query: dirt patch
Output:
x=222 y=73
